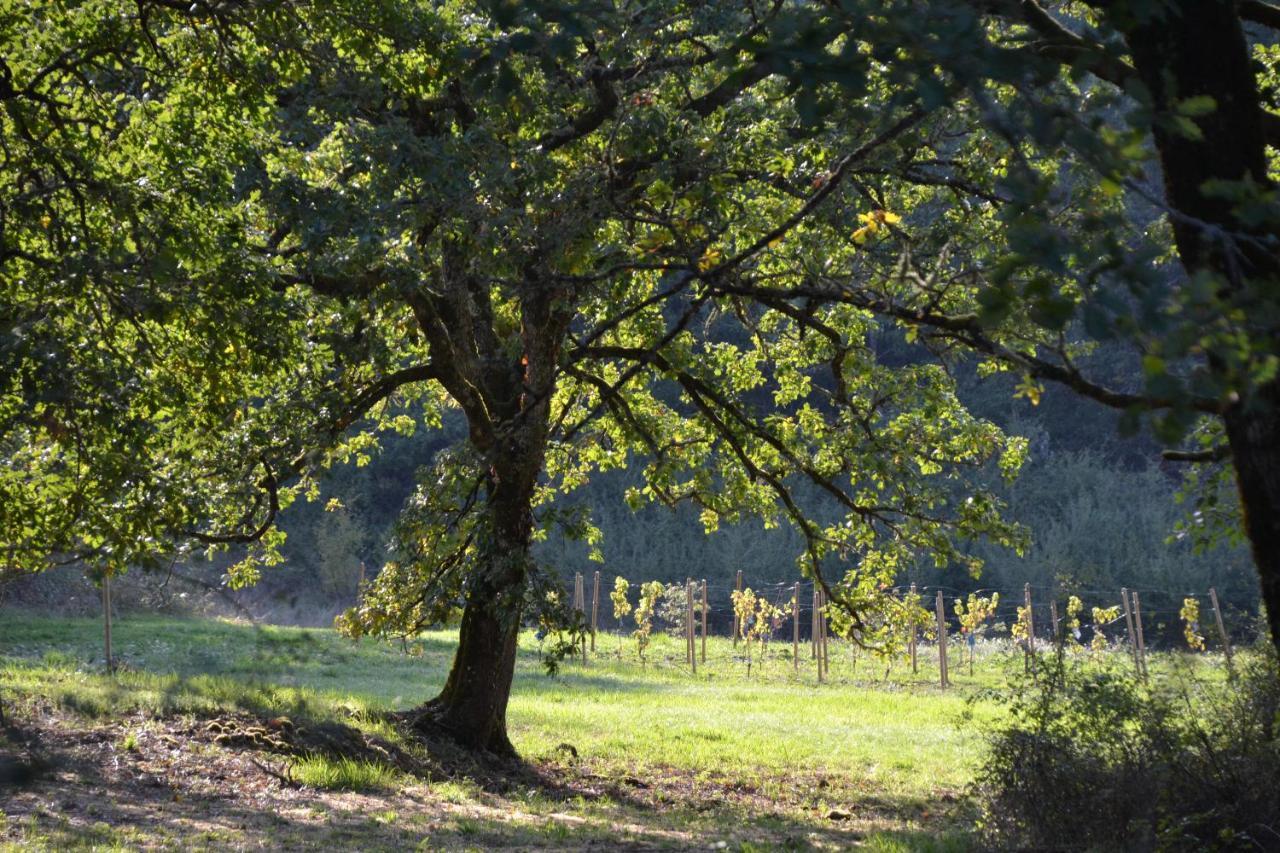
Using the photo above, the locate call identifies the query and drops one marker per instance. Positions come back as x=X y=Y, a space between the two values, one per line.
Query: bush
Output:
x=1091 y=759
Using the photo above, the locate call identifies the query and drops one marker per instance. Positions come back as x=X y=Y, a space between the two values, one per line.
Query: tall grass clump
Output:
x=343 y=774
x=1090 y=758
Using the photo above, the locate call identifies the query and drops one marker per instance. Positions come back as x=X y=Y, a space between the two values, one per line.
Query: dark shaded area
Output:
x=1093 y=759
x=184 y=783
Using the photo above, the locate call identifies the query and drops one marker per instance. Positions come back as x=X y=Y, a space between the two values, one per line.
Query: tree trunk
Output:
x=1197 y=49
x=472 y=707
x=1254 y=433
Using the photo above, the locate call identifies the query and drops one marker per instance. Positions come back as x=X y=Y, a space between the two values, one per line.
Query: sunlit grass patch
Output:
x=456 y=791
x=343 y=774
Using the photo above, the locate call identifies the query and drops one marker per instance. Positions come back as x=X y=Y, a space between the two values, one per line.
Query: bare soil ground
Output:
x=228 y=783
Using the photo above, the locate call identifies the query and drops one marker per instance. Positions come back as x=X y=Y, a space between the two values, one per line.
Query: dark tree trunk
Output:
x=472 y=707
x=507 y=403
x=1199 y=48
x=1254 y=433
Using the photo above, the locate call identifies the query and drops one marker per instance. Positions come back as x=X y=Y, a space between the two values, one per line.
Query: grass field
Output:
x=664 y=758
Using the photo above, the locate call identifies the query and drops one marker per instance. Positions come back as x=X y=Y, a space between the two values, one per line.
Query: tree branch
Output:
x=1258 y=12
x=600 y=111
x=379 y=391
x=1213 y=454
x=272 y=487
x=968 y=330
x=1062 y=45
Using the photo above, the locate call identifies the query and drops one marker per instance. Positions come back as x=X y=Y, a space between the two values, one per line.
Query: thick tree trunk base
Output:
x=434 y=723
x=471 y=710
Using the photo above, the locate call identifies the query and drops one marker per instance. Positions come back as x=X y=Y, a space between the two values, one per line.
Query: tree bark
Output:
x=507 y=402
x=1196 y=49
x=1253 y=430
x=472 y=707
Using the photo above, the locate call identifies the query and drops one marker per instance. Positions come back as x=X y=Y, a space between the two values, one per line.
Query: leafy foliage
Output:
x=1190 y=615
x=621 y=605
x=1071 y=625
x=379 y=181
x=249 y=239
x=1090 y=754
x=974 y=617
x=757 y=619
x=1102 y=617
x=646 y=606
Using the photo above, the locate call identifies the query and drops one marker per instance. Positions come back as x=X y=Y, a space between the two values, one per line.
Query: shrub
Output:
x=1090 y=758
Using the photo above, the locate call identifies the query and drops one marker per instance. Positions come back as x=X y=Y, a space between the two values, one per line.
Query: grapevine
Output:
x=1190 y=614
x=1101 y=617
x=649 y=595
x=621 y=606
x=1072 y=624
x=757 y=619
x=974 y=617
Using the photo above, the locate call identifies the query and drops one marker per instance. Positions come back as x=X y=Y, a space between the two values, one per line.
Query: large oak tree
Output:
x=240 y=239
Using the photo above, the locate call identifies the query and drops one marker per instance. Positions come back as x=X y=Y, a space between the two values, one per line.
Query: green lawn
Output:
x=901 y=736
x=764 y=758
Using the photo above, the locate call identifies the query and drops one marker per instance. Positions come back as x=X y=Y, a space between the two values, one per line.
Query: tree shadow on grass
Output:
x=529 y=683
x=142 y=782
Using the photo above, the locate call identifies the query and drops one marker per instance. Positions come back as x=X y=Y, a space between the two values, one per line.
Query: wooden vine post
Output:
x=106 y=621
x=1222 y=630
x=813 y=624
x=817 y=631
x=704 y=620
x=1133 y=635
x=688 y=646
x=795 y=628
x=737 y=628
x=942 y=641
x=1054 y=623
x=691 y=631
x=1031 y=627
x=1137 y=621
x=580 y=605
x=911 y=643
x=826 y=649
x=595 y=608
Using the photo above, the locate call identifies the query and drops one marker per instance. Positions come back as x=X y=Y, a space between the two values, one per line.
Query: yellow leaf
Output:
x=1030 y=389
x=873 y=222
x=709 y=259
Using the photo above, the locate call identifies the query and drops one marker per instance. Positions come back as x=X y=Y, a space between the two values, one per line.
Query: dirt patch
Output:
x=224 y=783
x=282 y=736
